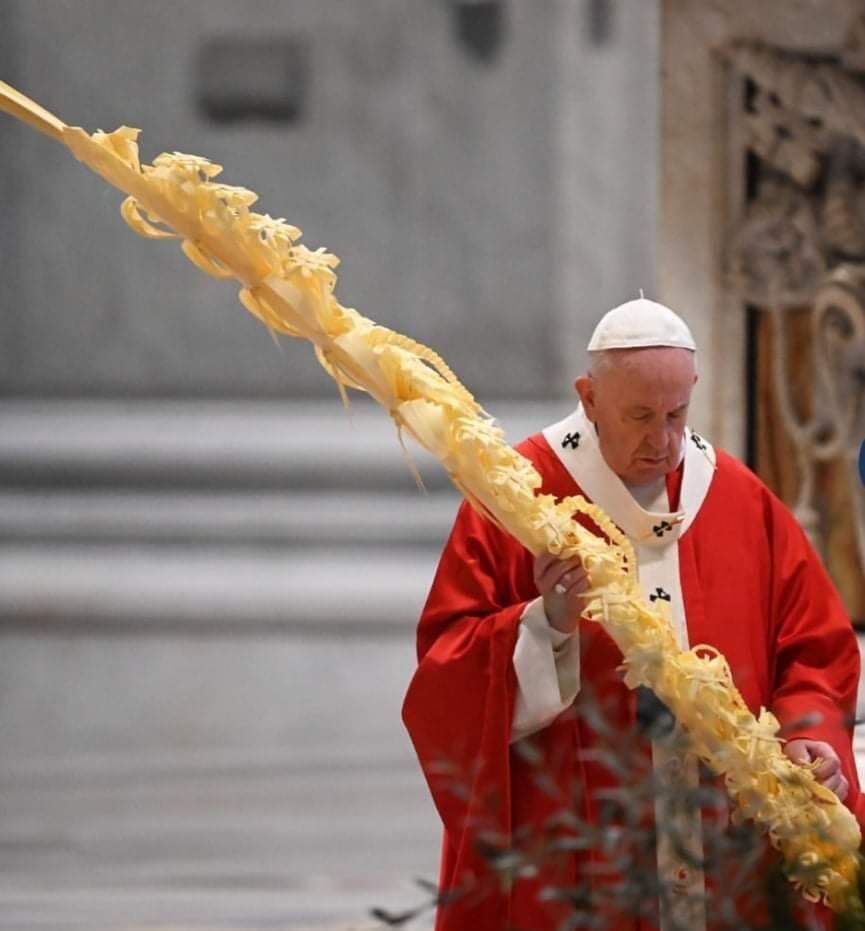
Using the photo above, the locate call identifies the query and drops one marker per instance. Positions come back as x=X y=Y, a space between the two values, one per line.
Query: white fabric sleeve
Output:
x=547 y=664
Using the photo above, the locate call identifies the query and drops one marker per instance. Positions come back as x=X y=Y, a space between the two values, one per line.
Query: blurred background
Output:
x=209 y=573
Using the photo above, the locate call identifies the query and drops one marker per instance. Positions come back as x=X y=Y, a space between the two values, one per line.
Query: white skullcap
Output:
x=641 y=323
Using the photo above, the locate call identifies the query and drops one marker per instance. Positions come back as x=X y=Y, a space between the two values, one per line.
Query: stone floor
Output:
x=314 y=836
x=206 y=629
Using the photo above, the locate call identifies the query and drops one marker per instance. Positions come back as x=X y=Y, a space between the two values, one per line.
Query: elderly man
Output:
x=537 y=755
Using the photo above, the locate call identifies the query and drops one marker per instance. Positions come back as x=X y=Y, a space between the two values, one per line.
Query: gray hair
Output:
x=601 y=360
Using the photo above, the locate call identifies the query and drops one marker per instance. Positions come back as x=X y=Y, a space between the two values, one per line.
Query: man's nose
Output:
x=659 y=439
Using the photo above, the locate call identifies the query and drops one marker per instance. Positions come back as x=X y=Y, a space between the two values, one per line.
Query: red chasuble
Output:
x=752 y=587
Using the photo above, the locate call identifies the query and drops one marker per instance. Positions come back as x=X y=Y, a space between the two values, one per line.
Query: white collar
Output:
x=575 y=442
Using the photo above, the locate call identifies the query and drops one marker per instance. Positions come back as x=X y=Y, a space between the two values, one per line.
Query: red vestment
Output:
x=753 y=588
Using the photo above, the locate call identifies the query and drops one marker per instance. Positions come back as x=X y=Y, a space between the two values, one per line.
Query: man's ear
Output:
x=586 y=390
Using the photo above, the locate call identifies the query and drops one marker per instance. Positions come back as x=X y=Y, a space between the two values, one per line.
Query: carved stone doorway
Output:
x=763 y=244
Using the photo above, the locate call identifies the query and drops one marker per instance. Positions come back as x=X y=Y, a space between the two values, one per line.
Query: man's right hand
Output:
x=562 y=584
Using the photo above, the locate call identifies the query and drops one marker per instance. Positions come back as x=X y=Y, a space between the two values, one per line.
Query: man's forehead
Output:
x=650 y=379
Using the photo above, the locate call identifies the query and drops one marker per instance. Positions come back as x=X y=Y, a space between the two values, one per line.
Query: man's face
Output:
x=638 y=401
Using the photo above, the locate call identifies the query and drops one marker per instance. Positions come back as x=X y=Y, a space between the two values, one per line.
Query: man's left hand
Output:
x=828 y=773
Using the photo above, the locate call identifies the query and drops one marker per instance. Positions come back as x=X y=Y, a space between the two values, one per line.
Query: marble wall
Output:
x=702 y=179
x=11 y=136
x=490 y=208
